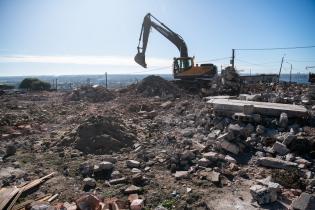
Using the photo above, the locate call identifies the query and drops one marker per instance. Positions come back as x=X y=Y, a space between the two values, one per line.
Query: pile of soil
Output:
x=92 y=94
x=157 y=86
x=100 y=135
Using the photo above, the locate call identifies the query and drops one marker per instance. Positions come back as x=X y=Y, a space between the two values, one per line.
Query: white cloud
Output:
x=122 y=61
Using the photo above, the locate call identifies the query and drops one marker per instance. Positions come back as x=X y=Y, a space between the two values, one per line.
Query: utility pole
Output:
x=290 y=72
x=233 y=57
x=310 y=75
x=280 y=68
x=56 y=84
x=106 y=80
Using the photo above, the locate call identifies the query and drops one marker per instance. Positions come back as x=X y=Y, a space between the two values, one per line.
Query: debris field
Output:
x=154 y=145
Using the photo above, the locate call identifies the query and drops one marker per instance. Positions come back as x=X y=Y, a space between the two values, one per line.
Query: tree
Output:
x=34 y=84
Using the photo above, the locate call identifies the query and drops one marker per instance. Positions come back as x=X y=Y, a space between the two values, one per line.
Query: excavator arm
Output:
x=175 y=38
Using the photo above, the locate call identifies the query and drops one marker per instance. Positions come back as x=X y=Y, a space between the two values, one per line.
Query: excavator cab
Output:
x=182 y=64
x=185 y=68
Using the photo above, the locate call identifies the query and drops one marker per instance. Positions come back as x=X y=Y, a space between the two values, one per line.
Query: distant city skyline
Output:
x=92 y=37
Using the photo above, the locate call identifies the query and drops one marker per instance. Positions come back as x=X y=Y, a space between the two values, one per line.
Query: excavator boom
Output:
x=175 y=38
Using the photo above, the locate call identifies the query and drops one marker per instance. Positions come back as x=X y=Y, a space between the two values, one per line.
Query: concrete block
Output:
x=229 y=106
x=230 y=147
x=306 y=201
x=275 y=163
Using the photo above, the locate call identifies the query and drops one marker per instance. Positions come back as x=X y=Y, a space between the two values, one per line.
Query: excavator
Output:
x=184 y=67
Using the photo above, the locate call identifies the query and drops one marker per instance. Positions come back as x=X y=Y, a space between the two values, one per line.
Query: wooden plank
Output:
x=230 y=106
x=6 y=195
x=15 y=199
x=45 y=198
x=52 y=198
x=27 y=187
x=36 y=182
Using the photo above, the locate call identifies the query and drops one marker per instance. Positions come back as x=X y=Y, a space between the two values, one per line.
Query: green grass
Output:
x=169 y=203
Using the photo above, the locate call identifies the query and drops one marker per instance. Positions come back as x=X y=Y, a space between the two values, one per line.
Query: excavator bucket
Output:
x=140 y=59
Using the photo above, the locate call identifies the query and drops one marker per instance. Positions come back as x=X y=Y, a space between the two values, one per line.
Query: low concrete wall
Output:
x=265 y=78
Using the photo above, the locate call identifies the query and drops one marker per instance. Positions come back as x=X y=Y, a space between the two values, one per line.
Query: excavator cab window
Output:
x=182 y=64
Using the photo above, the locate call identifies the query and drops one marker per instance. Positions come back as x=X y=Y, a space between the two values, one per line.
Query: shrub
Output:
x=34 y=84
x=6 y=87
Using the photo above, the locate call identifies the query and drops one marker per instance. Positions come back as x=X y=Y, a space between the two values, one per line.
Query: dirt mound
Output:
x=157 y=86
x=91 y=93
x=100 y=135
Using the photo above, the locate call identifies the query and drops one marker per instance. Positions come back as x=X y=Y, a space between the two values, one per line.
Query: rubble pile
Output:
x=229 y=82
x=21 y=118
x=277 y=93
x=217 y=143
x=99 y=135
x=157 y=86
x=144 y=152
x=91 y=93
x=13 y=119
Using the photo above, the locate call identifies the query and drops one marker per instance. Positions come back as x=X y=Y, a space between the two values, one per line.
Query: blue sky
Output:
x=55 y=37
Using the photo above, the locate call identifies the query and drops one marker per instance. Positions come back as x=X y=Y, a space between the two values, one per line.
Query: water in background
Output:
x=298 y=78
x=114 y=80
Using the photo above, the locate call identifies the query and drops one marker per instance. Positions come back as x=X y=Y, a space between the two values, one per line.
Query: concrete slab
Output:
x=219 y=97
x=231 y=106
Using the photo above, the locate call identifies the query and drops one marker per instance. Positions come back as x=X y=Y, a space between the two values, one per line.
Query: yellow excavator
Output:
x=184 y=67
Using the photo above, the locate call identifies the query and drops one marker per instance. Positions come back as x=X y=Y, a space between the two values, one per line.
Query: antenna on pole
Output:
x=280 y=68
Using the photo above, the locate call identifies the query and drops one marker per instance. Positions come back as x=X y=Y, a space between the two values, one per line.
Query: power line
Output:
x=257 y=64
x=277 y=48
x=215 y=59
x=306 y=61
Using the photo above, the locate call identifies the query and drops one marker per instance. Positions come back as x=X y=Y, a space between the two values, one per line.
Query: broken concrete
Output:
x=132 y=189
x=229 y=107
x=181 y=174
x=204 y=162
x=283 y=121
x=263 y=195
x=179 y=134
x=230 y=147
x=89 y=183
x=214 y=177
x=306 y=201
x=280 y=148
x=275 y=163
x=133 y=163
